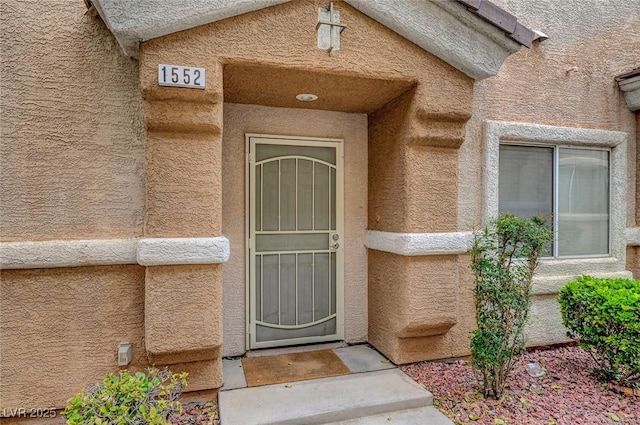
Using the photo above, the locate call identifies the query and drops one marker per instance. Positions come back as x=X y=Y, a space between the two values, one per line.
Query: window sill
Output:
x=579 y=265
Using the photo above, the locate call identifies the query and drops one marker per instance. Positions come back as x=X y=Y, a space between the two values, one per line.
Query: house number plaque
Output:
x=181 y=76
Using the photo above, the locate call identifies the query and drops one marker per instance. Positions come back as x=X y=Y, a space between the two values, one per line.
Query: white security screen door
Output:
x=295 y=247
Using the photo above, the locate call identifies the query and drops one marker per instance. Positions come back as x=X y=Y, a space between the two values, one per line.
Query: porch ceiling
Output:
x=271 y=86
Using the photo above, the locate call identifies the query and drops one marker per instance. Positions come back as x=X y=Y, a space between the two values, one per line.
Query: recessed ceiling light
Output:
x=306 y=97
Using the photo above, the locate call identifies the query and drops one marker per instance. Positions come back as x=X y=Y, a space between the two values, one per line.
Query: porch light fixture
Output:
x=329 y=29
x=306 y=97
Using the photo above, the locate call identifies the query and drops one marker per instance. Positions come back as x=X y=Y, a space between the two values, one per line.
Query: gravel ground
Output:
x=568 y=394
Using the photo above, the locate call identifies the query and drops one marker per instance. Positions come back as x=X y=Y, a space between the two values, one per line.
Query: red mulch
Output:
x=569 y=394
x=196 y=413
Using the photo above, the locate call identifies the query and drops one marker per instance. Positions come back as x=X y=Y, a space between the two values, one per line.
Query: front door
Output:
x=295 y=246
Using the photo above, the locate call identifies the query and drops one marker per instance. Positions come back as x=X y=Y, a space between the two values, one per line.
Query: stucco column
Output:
x=414 y=301
x=183 y=150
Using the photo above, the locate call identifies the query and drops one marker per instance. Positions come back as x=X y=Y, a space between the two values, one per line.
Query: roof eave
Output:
x=469 y=39
x=132 y=22
x=629 y=84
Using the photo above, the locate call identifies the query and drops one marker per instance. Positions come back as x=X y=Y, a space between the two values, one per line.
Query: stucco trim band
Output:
x=633 y=236
x=165 y=251
x=108 y=252
x=49 y=254
x=174 y=251
x=551 y=285
x=416 y=244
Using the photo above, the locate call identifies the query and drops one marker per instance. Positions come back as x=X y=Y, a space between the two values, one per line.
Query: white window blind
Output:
x=569 y=185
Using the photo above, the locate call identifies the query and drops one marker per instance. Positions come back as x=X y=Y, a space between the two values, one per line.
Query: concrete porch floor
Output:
x=376 y=392
x=358 y=358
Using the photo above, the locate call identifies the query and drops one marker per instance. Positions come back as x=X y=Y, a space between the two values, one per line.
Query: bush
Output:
x=122 y=398
x=504 y=257
x=604 y=315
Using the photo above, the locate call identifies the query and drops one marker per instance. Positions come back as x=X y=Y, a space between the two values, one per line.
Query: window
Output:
x=577 y=174
x=568 y=185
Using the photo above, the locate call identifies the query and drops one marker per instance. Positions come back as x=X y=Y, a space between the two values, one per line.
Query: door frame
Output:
x=338 y=144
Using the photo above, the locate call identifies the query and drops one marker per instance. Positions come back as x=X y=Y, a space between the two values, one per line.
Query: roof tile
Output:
x=502 y=19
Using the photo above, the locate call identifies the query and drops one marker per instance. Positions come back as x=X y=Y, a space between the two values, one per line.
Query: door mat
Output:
x=292 y=367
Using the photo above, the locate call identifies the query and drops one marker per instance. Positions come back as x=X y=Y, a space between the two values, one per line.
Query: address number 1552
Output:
x=181 y=76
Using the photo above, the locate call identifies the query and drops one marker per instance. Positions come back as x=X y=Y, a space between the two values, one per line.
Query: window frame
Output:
x=497 y=132
x=555 y=194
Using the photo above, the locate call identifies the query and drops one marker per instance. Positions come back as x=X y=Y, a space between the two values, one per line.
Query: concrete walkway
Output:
x=376 y=392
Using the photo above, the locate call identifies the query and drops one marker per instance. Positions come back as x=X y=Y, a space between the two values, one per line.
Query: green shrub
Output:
x=504 y=257
x=604 y=316
x=123 y=398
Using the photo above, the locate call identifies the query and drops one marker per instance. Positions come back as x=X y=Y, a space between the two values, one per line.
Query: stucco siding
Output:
x=71 y=157
x=241 y=119
x=557 y=82
x=60 y=330
x=567 y=80
x=71 y=167
x=84 y=158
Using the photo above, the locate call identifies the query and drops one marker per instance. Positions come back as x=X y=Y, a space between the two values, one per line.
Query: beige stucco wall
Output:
x=284 y=36
x=428 y=318
x=242 y=119
x=83 y=157
x=427 y=124
x=60 y=329
x=72 y=164
x=71 y=167
x=71 y=151
x=567 y=80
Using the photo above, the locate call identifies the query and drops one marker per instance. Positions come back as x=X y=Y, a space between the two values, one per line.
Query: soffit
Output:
x=263 y=85
x=473 y=36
